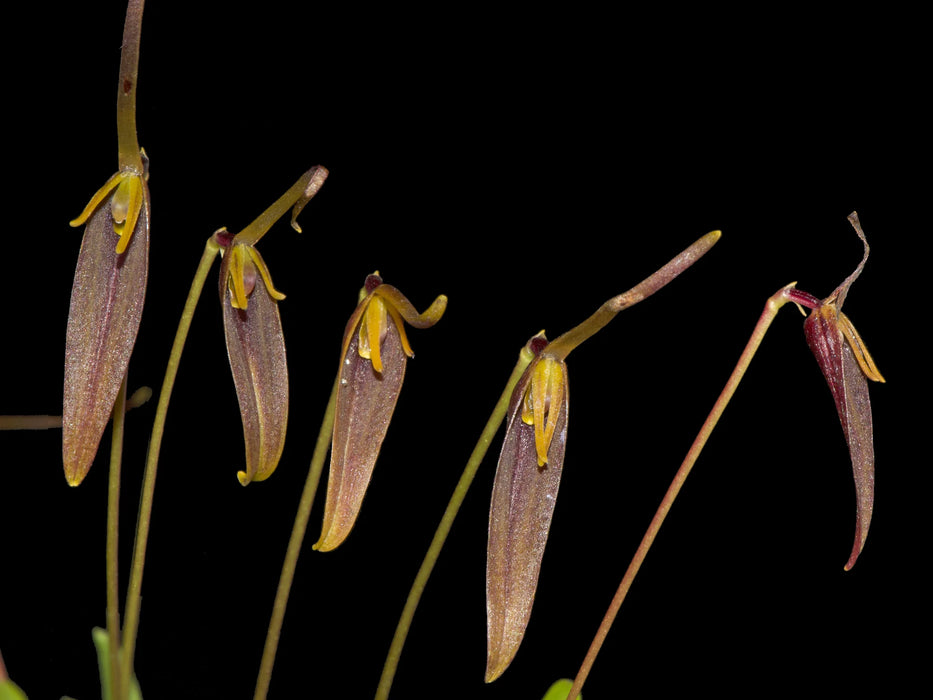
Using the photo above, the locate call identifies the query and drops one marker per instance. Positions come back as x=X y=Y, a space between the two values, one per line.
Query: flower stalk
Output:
x=772 y=306
x=113 y=529
x=299 y=527
x=134 y=589
x=296 y=197
x=847 y=367
x=127 y=142
x=525 y=357
x=530 y=467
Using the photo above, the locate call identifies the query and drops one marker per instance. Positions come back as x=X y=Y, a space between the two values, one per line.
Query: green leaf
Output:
x=102 y=643
x=10 y=691
x=560 y=689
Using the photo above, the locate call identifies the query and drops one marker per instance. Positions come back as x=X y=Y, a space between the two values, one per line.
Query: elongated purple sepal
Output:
x=520 y=513
x=849 y=387
x=365 y=403
x=847 y=366
x=106 y=308
x=256 y=349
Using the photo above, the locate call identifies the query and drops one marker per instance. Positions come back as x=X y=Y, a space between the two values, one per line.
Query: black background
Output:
x=529 y=165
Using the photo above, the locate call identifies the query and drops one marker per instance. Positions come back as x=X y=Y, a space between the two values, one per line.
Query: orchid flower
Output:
x=530 y=466
x=253 y=330
x=847 y=366
x=372 y=367
x=110 y=280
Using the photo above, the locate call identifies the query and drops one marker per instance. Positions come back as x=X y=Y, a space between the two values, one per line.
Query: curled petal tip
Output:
x=407 y=310
x=315 y=179
x=260 y=475
x=297 y=196
x=434 y=312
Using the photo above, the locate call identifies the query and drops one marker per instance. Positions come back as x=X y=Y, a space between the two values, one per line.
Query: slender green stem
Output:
x=113 y=526
x=126 y=92
x=447 y=520
x=767 y=316
x=131 y=621
x=294 y=547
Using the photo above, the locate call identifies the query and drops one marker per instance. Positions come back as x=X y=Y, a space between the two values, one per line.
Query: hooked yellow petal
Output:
x=406 y=309
x=264 y=271
x=96 y=200
x=400 y=325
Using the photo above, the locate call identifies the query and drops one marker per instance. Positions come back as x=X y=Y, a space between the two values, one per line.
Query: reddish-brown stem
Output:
x=778 y=300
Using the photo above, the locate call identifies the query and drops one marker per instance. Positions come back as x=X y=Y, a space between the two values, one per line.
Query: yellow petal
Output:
x=407 y=310
x=266 y=275
x=236 y=277
x=372 y=329
x=400 y=325
x=96 y=200
x=542 y=402
x=126 y=204
x=862 y=356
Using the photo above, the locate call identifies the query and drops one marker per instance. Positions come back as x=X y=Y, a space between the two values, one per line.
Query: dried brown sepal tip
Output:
x=107 y=300
x=847 y=366
x=372 y=367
